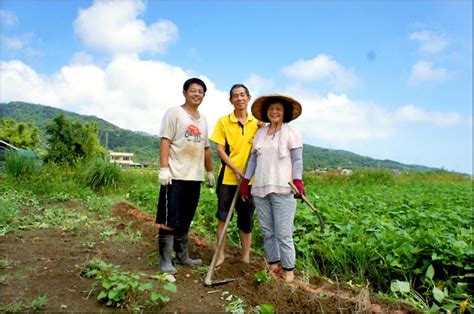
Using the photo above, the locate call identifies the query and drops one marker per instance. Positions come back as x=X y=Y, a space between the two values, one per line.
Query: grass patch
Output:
x=101 y=175
x=20 y=166
x=35 y=305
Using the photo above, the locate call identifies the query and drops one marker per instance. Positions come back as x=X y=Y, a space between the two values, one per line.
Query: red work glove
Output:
x=299 y=185
x=244 y=189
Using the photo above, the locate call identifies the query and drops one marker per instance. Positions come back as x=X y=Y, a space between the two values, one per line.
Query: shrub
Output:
x=102 y=174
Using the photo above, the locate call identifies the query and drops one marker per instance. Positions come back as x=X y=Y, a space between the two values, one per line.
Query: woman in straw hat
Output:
x=276 y=158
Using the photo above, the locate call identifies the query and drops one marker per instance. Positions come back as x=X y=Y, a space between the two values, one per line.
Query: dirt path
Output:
x=44 y=262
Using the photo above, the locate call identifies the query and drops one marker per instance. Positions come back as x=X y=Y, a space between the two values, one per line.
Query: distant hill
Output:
x=145 y=146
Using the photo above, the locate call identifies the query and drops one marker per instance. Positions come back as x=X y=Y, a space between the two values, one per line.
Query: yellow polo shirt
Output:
x=237 y=140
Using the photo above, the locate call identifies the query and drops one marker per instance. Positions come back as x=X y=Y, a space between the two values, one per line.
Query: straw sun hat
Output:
x=260 y=107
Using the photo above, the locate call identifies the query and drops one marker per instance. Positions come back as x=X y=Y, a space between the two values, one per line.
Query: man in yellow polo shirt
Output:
x=233 y=135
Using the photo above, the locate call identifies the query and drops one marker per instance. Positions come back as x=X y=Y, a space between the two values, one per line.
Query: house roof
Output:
x=120 y=154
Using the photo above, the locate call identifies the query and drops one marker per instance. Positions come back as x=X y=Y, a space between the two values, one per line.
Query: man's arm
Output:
x=208 y=159
x=208 y=165
x=164 y=152
x=226 y=159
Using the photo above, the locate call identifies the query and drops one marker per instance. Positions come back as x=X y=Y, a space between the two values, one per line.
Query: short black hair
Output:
x=287 y=109
x=194 y=80
x=239 y=86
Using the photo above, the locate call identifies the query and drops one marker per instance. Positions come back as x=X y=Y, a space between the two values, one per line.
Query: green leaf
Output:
x=438 y=295
x=450 y=307
x=170 y=287
x=404 y=286
x=146 y=286
x=430 y=272
x=106 y=284
x=155 y=296
x=400 y=286
x=262 y=277
x=434 y=308
x=91 y=273
x=165 y=298
x=267 y=308
x=101 y=295
x=112 y=294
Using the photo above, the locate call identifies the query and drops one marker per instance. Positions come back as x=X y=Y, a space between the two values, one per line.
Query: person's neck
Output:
x=275 y=126
x=241 y=115
x=192 y=110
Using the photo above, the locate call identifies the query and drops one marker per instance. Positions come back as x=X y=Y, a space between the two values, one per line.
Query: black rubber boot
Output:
x=182 y=251
x=165 y=249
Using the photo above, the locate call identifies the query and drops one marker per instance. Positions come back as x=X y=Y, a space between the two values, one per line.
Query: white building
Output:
x=123 y=159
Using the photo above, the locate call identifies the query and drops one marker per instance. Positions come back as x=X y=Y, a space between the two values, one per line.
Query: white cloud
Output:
x=128 y=92
x=113 y=27
x=429 y=41
x=322 y=68
x=21 y=82
x=81 y=58
x=259 y=84
x=340 y=119
x=8 y=18
x=411 y=113
x=134 y=94
x=16 y=43
x=423 y=71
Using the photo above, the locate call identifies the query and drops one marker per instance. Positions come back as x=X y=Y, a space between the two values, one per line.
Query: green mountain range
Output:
x=145 y=147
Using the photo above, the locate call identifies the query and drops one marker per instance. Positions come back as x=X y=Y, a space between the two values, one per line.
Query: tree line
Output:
x=68 y=141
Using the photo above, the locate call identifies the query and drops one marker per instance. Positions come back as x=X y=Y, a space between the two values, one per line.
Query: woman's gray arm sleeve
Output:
x=297 y=162
x=251 y=165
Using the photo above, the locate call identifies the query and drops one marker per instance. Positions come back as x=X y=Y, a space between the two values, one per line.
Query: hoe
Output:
x=208 y=280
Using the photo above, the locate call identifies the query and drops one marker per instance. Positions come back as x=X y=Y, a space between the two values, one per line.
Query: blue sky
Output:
x=385 y=79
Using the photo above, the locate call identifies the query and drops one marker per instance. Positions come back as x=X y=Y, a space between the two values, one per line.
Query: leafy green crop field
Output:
x=410 y=232
x=409 y=237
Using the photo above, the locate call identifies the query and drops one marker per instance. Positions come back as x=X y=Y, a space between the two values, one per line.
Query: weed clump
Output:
x=101 y=174
x=21 y=166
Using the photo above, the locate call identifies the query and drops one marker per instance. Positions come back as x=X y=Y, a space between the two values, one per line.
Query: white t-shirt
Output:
x=188 y=138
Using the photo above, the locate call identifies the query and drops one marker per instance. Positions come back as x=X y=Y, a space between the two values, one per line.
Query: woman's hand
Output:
x=299 y=185
x=244 y=189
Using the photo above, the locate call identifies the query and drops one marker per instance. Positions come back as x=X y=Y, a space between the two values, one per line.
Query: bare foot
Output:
x=220 y=260
x=273 y=267
x=246 y=260
x=275 y=271
x=289 y=276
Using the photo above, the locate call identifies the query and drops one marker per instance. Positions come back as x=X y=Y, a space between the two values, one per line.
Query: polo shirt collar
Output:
x=233 y=118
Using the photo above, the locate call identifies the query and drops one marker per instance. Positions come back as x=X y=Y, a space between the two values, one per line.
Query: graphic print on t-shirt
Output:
x=193 y=133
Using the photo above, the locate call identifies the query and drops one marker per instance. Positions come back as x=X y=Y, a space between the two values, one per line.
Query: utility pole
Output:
x=107 y=139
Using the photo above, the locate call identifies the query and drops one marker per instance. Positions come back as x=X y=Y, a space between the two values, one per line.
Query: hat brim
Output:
x=259 y=103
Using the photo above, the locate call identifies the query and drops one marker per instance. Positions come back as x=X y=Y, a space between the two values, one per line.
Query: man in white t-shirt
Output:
x=184 y=156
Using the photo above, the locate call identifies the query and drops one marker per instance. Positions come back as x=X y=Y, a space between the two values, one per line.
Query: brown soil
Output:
x=44 y=262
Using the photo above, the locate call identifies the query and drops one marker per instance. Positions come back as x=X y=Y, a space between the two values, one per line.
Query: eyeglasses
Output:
x=196 y=91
